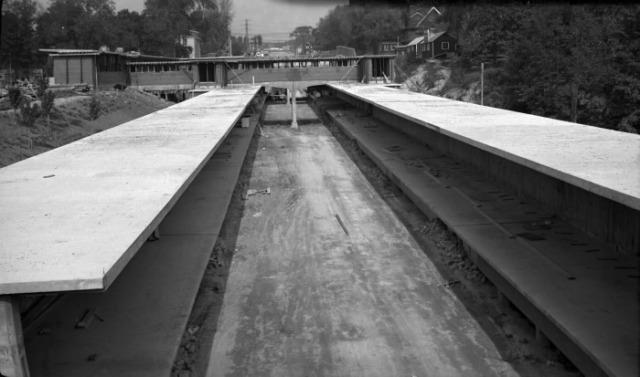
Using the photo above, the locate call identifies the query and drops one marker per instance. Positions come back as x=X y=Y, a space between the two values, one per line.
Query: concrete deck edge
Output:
x=112 y=273
x=606 y=192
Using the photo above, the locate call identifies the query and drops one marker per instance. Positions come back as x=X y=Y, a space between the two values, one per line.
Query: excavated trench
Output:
x=324 y=267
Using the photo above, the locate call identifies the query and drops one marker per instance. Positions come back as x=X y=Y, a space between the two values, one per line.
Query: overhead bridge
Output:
x=548 y=210
x=187 y=74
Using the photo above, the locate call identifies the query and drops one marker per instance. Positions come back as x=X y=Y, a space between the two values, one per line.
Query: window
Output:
x=444 y=45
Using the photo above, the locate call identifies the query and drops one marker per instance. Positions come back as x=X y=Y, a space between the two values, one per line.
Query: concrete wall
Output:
x=235 y=76
x=169 y=78
x=609 y=221
x=106 y=80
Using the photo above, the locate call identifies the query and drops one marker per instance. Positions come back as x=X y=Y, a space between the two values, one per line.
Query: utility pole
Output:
x=482 y=83
x=246 y=36
x=230 y=46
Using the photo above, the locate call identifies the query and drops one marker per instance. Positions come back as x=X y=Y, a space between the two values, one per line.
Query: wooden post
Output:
x=13 y=358
x=294 y=115
x=368 y=70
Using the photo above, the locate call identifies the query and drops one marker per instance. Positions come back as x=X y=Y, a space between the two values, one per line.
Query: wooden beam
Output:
x=13 y=358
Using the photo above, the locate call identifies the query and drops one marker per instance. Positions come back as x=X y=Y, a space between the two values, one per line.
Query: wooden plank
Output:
x=601 y=161
x=72 y=218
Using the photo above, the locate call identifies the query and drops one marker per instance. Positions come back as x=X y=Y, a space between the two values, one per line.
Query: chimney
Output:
x=193 y=41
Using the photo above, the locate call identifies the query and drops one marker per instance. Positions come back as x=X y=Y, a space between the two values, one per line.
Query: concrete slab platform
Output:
x=580 y=293
x=72 y=218
x=141 y=318
x=601 y=161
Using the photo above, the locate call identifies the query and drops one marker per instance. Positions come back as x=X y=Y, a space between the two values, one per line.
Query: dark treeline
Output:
x=572 y=62
x=89 y=24
x=362 y=28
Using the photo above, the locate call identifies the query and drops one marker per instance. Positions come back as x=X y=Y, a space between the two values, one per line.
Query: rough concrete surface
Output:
x=138 y=322
x=598 y=160
x=326 y=281
x=71 y=218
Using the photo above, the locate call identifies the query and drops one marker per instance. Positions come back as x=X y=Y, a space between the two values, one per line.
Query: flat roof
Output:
x=78 y=52
x=241 y=59
x=73 y=217
x=602 y=161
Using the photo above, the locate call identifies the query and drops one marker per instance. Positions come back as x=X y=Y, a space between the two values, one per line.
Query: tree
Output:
x=128 y=30
x=77 y=24
x=360 y=27
x=573 y=62
x=238 y=45
x=48 y=99
x=302 y=37
x=18 y=43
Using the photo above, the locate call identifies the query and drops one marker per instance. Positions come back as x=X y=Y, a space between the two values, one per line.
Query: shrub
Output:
x=15 y=97
x=43 y=85
x=28 y=113
x=48 y=99
x=94 y=108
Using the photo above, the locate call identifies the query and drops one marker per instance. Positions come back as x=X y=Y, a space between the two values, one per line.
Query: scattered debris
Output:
x=193 y=329
x=155 y=235
x=49 y=176
x=252 y=192
x=342 y=224
x=449 y=283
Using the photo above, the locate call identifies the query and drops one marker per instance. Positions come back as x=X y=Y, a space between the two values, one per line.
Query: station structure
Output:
x=548 y=210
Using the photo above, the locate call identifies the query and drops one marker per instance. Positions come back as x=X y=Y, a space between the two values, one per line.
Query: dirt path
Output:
x=326 y=281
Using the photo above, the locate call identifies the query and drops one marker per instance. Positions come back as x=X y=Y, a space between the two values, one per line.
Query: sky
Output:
x=273 y=19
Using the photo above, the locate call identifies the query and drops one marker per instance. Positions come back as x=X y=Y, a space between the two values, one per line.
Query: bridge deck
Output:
x=73 y=217
x=598 y=160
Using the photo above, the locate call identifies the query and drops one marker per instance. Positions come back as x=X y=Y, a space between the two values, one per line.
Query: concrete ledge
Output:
x=73 y=217
x=143 y=315
x=511 y=147
x=602 y=161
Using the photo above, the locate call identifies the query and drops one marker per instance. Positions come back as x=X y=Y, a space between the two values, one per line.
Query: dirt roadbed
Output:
x=326 y=280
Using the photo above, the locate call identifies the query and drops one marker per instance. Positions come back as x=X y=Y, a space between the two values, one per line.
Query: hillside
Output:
x=71 y=121
x=434 y=78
